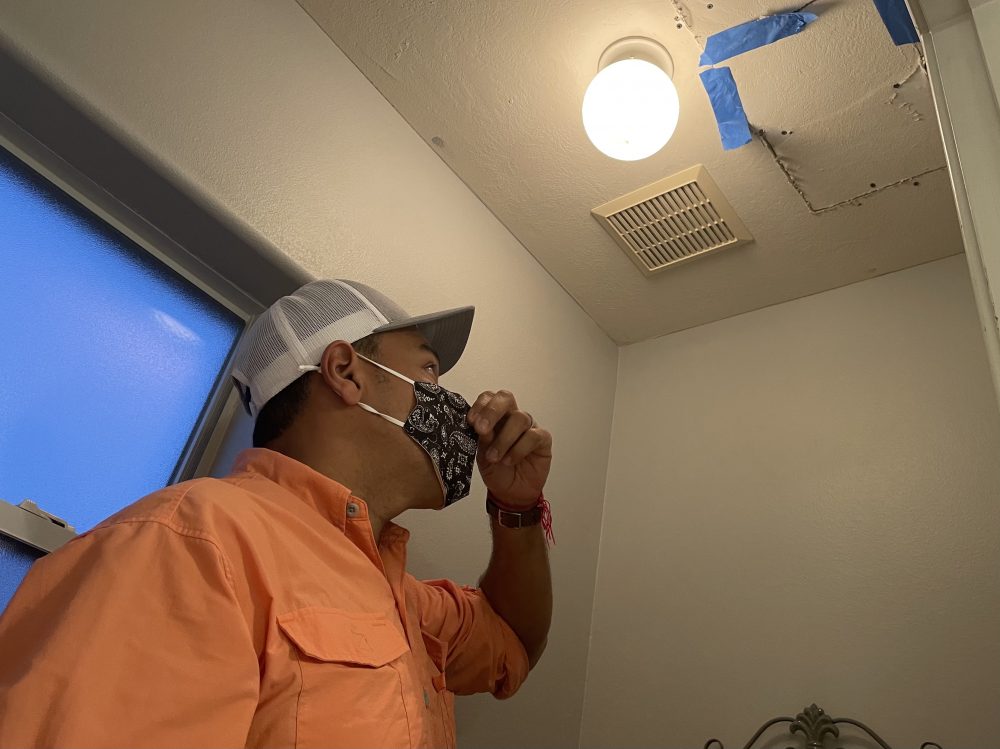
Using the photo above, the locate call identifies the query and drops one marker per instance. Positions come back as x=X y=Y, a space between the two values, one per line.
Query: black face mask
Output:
x=439 y=424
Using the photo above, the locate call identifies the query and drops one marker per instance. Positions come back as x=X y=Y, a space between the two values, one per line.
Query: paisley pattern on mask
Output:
x=439 y=424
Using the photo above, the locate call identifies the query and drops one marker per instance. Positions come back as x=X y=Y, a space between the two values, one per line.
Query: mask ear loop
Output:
x=388 y=418
x=365 y=406
x=390 y=371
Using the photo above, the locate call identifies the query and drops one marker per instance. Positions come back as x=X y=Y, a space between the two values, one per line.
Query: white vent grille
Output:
x=672 y=221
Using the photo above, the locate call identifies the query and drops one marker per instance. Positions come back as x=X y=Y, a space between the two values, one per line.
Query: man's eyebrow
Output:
x=427 y=347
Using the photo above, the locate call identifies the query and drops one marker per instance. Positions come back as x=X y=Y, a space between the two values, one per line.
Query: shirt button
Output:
x=352 y=509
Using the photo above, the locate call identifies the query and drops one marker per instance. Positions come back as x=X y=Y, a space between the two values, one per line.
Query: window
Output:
x=15 y=560
x=107 y=363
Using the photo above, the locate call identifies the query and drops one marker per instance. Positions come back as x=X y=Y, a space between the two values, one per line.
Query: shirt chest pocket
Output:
x=351 y=691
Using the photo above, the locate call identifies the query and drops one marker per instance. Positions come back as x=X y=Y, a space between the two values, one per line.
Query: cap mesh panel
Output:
x=392 y=311
x=317 y=314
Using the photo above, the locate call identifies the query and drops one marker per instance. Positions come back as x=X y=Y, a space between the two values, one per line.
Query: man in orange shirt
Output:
x=273 y=607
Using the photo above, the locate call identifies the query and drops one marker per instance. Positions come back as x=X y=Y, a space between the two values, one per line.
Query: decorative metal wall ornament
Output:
x=815 y=726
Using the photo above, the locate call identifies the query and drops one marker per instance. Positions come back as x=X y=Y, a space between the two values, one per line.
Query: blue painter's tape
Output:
x=753 y=34
x=897 y=19
x=733 y=126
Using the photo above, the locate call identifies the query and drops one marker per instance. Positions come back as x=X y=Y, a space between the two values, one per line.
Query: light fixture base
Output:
x=640 y=48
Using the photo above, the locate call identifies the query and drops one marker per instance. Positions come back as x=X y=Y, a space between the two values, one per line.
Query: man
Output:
x=272 y=607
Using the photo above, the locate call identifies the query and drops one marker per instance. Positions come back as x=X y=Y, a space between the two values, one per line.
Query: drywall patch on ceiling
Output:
x=913 y=94
x=862 y=126
x=683 y=15
x=804 y=152
x=685 y=19
x=846 y=154
x=855 y=200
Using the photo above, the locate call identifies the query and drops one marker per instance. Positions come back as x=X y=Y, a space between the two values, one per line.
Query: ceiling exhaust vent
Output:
x=672 y=221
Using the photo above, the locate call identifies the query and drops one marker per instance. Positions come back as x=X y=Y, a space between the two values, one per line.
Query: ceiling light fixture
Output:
x=631 y=107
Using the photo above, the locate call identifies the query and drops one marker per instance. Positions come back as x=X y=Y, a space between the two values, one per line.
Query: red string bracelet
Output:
x=543 y=503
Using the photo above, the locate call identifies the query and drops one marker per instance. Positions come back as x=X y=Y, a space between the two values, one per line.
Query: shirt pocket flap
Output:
x=437 y=651
x=344 y=636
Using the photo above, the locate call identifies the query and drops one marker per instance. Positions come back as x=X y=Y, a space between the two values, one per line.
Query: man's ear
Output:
x=340 y=368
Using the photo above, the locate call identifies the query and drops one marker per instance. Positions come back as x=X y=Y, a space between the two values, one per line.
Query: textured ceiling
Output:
x=496 y=88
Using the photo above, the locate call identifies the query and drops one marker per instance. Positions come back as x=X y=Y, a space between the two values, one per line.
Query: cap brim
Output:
x=447 y=332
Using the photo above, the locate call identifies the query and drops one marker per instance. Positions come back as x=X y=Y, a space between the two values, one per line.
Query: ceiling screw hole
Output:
x=711 y=5
x=916 y=184
x=872 y=185
x=680 y=25
x=784 y=132
x=895 y=85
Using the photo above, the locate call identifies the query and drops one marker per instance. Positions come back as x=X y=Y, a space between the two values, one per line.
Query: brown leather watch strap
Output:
x=508 y=519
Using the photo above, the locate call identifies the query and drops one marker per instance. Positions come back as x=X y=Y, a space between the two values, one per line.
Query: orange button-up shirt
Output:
x=255 y=610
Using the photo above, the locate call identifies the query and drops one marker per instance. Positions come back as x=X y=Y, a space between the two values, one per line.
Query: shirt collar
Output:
x=329 y=498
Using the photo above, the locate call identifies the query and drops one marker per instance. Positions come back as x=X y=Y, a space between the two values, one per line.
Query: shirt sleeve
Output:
x=484 y=653
x=129 y=635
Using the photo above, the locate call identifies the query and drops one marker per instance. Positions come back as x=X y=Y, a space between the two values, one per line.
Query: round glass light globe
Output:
x=630 y=109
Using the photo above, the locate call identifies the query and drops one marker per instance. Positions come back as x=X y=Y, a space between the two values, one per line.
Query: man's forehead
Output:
x=412 y=338
x=425 y=346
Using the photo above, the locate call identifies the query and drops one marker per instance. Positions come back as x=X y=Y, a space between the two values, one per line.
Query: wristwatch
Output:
x=514 y=519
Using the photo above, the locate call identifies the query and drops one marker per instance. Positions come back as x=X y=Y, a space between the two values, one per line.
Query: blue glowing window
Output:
x=15 y=561
x=107 y=360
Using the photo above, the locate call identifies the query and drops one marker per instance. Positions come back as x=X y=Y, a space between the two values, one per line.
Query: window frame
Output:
x=215 y=416
x=48 y=131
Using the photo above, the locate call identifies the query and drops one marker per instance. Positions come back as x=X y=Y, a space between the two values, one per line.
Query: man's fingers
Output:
x=475 y=413
x=534 y=440
x=513 y=427
x=478 y=406
x=487 y=412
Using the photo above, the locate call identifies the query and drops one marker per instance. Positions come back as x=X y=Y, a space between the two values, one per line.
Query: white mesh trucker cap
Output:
x=296 y=329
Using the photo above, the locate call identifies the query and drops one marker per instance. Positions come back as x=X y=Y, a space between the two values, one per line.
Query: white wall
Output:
x=803 y=506
x=250 y=105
